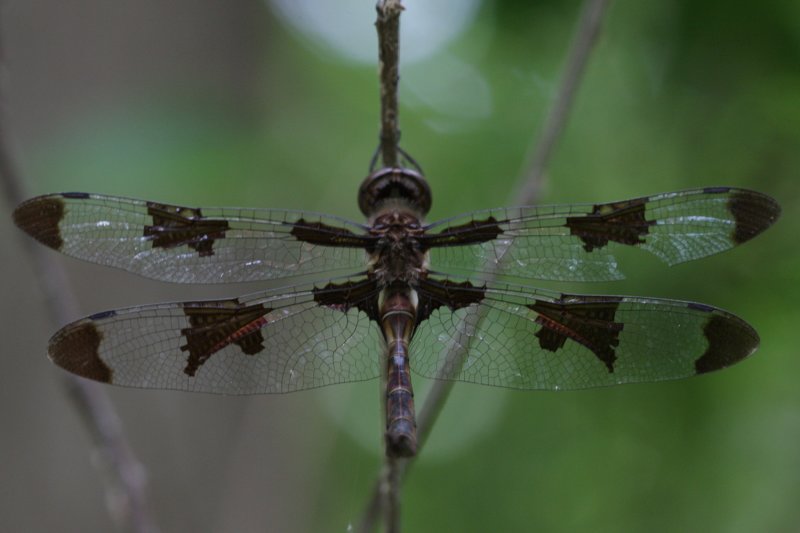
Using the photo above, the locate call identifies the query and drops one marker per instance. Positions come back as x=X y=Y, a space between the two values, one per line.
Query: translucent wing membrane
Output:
x=298 y=338
x=194 y=245
x=511 y=337
x=530 y=339
x=577 y=242
x=265 y=343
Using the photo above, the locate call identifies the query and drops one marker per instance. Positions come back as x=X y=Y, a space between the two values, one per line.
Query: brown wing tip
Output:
x=40 y=218
x=75 y=348
x=753 y=212
x=730 y=340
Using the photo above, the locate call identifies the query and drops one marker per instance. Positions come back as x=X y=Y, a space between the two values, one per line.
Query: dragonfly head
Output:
x=394 y=184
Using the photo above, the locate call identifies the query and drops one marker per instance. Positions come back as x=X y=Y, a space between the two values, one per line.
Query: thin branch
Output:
x=388 y=26
x=583 y=42
x=385 y=498
x=586 y=34
x=582 y=45
x=392 y=494
x=126 y=479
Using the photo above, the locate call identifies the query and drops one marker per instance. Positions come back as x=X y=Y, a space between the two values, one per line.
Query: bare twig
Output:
x=583 y=42
x=388 y=26
x=392 y=498
x=385 y=498
x=126 y=479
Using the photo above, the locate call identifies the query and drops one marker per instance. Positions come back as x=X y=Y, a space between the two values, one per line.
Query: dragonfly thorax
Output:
x=397 y=256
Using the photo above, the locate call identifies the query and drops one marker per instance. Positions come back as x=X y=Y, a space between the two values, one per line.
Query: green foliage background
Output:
x=678 y=95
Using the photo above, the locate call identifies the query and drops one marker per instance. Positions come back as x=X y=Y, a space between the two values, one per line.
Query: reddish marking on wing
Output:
x=239 y=334
x=561 y=329
x=215 y=325
x=589 y=321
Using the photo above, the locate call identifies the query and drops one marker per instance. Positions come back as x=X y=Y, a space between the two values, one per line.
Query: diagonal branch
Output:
x=583 y=41
x=126 y=491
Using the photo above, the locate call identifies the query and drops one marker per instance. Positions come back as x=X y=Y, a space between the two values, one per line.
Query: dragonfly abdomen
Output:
x=398 y=319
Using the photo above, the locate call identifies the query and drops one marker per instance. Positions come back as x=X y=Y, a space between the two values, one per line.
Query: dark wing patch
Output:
x=40 y=218
x=587 y=320
x=361 y=295
x=75 y=348
x=622 y=222
x=215 y=325
x=727 y=344
x=434 y=294
x=321 y=233
x=472 y=232
x=175 y=226
x=753 y=213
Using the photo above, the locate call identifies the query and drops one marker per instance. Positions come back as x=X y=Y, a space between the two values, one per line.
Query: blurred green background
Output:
x=275 y=104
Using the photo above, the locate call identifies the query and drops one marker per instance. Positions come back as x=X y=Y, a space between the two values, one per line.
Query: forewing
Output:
x=194 y=245
x=253 y=345
x=529 y=339
x=577 y=242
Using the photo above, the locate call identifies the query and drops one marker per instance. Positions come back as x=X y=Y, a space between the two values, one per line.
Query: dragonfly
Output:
x=448 y=299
